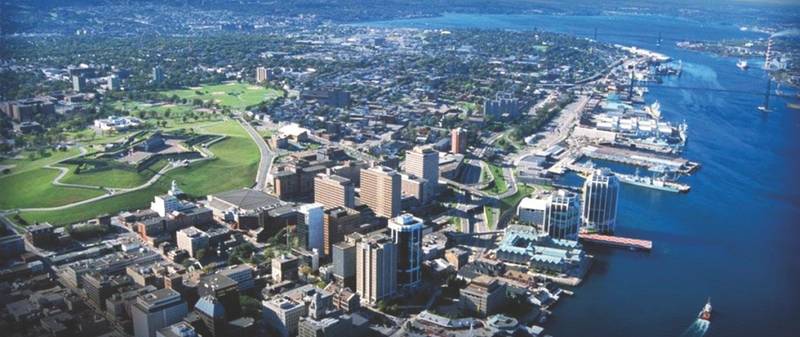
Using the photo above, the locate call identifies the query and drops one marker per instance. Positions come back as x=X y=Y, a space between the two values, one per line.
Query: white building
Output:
x=562 y=215
x=165 y=204
x=531 y=211
x=191 y=239
x=312 y=219
x=242 y=274
x=600 y=199
x=157 y=310
x=282 y=315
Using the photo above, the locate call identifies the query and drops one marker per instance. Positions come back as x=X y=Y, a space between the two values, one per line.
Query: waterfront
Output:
x=732 y=237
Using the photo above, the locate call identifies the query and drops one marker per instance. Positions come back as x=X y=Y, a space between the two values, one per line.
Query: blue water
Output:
x=733 y=237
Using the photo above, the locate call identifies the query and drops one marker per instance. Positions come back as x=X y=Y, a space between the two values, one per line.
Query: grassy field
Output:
x=24 y=164
x=234 y=95
x=235 y=167
x=499 y=185
x=114 y=178
x=34 y=188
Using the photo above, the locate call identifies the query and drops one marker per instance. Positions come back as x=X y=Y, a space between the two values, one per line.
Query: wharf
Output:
x=617 y=241
x=638 y=158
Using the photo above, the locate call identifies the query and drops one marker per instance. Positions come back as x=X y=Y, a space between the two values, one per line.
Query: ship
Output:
x=654 y=110
x=654 y=182
x=742 y=64
x=705 y=314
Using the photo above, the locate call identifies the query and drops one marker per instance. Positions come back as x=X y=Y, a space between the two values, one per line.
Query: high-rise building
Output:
x=376 y=268
x=407 y=236
x=225 y=290
x=334 y=191
x=423 y=162
x=158 y=75
x=78 y=83
x=562 y=215
x=309 y=226
x=380 y=190
x=212 y=315
x=156 y=310
x=344 y=262
x=262 y=74
x=338 y=222
x=458 y=140
x=600 y=199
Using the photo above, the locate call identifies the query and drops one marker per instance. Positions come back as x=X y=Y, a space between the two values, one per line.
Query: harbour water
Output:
x=733 y=238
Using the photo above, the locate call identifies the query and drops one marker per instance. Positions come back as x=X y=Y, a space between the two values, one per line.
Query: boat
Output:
x=705 y=314
x=742 y=64
x=654 y=110
x=654 y=182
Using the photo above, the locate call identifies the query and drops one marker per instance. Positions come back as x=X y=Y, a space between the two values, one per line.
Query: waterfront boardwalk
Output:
x=616 y=241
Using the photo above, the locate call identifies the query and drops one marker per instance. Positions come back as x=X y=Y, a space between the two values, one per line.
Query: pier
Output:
x=641 y=159
x=617 y=241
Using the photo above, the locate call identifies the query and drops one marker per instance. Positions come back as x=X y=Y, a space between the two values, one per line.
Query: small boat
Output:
x=705 y=314
x=742 y=64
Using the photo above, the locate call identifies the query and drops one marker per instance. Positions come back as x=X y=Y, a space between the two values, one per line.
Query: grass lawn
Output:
x=24 y=165
x=34 y=189
x=235 y=167
x=114 y=178
x=234 y=95
x=499 y=185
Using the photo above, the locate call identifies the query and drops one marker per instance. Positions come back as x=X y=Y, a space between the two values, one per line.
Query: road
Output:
x=267 y=158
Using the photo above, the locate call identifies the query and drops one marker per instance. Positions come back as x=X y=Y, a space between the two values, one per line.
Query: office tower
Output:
x=458 y=140
x=344 y=262
x=423 y=162
x=338 y=222
x=212 y=314
x=158 y=75
x=309 y=226
x=262 y=74
x=332 y=191
x=380 y=190
x=562 y=215
x=600 y=198
x=376 y=268
x=407 y=236
x=156 y=310
x=78 y=83
x=225 y=290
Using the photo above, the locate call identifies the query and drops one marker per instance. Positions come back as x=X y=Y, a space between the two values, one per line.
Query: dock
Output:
x=617 y=241
x=641 y=159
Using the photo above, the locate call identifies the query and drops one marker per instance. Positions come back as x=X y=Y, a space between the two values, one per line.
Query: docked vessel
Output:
x=656 y=183
x=742 y=64
x=705 y=314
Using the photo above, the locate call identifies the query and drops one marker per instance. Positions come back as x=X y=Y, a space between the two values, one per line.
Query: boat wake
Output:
x=697 y=329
